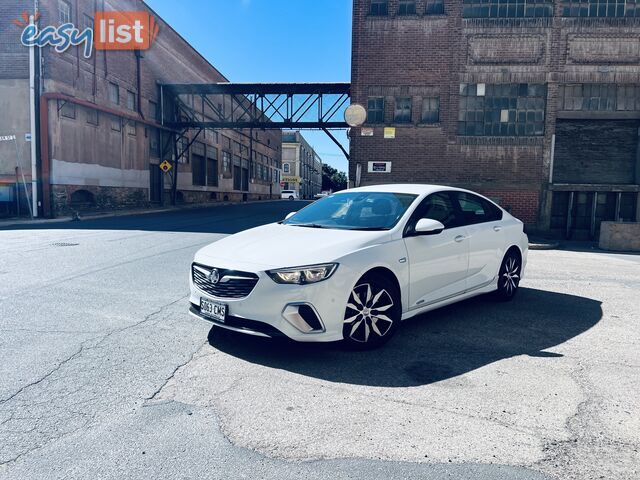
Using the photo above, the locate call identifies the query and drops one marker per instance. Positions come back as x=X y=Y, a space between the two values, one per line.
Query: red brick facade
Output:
x=430 y=56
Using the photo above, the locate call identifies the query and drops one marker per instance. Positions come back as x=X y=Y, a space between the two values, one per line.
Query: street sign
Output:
x=165 y=166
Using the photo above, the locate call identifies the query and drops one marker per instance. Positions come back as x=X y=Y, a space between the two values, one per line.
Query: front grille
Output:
x=231 y=284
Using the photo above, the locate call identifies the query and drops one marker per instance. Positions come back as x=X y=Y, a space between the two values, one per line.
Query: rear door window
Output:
x=475 y=209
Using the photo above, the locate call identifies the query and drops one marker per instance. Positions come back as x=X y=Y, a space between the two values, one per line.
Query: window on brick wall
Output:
x=153 y=111
x=375 y=110
x=434 y=7
x=502 y=110
x=600 y=8
x=131 y=128
x=64 y=12
x=92 y=116
x=430 y=110
x=114 y=93
x=603 y=97
x=402 y=112
x=226 y=162
x=406 y=7
x=116 y=124
x=379 y=7
x=131 y=100
x=67 y=109
x=154 y=143
x=507 y=9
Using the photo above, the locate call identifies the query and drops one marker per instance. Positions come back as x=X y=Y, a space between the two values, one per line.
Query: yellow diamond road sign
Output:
x=165 y=166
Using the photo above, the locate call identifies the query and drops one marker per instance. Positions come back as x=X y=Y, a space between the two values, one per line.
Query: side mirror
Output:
x=428 y=226
x=291 y=214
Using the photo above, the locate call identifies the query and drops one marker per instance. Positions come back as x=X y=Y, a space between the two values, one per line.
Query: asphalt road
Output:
x=104 y=375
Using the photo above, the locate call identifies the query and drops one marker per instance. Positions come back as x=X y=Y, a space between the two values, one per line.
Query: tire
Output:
x=509 y=276
x=366 y=327
x=290 y=197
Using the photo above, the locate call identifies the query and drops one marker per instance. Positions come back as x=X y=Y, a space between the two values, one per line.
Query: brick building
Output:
x=535 y=103
x=301 y=166
x=99 y=121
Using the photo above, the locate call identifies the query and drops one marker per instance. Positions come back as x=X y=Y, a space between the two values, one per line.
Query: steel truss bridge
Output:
x=247 y=106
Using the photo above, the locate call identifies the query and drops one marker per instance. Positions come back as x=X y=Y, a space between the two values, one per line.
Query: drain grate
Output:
x=64 y=244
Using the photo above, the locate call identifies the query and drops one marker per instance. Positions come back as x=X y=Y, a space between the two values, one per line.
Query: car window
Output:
x=475 y=209
x=354 y=211
x=437 y=206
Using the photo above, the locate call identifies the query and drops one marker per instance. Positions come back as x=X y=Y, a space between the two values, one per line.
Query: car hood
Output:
x=279 y=246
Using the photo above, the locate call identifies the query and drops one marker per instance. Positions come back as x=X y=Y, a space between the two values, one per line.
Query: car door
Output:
x=437 y=262
x=483 y=222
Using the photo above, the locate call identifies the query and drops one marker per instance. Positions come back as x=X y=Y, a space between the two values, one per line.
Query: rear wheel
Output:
x=290 y=197
x=373 y=312
x=509 y=276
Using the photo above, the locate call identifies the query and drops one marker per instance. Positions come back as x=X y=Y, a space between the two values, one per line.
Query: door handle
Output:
x=459 y=238
x=497 y=228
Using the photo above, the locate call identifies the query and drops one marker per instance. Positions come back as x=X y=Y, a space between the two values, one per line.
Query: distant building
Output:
x=301 y=166
x=536 y=104
x=100 y=122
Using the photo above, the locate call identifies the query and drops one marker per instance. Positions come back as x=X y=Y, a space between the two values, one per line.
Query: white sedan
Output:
x=352 y=266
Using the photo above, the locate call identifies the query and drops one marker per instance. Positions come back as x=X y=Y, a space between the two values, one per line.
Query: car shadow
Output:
x=436 y=346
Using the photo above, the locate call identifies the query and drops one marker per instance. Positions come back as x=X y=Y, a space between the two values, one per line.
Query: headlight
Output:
x=303 y=275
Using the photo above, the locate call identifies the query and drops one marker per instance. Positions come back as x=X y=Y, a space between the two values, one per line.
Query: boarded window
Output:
x=507 y=9
x=502 y=109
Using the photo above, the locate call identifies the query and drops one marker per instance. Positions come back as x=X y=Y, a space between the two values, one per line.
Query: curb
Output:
x=125 y=213
x=544 y=246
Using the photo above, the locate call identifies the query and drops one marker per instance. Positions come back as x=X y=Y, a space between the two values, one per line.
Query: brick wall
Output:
x=428 y=56
x=14 y=58
x=74 y=140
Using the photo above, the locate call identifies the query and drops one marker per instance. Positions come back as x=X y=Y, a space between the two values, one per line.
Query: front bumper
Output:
x=262 y=312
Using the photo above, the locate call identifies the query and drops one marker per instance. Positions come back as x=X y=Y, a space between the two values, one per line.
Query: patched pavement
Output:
x=104 y=375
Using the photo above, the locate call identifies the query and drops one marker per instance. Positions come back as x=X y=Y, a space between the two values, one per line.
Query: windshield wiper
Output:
x=307 y=225
x=369 y=229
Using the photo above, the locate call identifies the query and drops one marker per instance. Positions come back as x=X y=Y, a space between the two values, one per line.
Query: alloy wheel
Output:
x=367 y=315
x=510 y=278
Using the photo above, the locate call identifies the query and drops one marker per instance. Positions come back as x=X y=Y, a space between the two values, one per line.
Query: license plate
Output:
x=215 y=310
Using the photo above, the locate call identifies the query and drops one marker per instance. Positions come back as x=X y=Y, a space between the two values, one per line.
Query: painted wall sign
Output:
x=389 y=132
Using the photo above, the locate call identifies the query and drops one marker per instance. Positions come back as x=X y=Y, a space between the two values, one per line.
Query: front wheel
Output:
x=509 y=276
x=290 y=197
x=373 y=312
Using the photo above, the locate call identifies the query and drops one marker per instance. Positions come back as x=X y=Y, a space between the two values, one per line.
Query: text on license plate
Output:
x=214 y=310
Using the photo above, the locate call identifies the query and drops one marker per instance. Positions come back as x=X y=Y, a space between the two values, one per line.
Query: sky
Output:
x=271 y=41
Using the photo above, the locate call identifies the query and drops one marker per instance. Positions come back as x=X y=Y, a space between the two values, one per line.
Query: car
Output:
x=289 y=195
x=352 y=266
x=321 y=195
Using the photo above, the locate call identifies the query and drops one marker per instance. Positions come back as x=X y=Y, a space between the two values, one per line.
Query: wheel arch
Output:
x=388 y=273
x=515 y=249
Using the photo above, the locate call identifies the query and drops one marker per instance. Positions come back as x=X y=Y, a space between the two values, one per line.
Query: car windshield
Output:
x=354 y=211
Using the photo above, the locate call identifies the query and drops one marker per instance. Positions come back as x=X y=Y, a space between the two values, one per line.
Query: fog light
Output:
x=303 y=317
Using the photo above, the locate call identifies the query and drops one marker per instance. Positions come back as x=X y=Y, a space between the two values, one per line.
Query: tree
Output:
x=332 y=179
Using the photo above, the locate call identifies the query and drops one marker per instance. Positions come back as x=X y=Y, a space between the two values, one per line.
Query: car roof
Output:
x=411 y=188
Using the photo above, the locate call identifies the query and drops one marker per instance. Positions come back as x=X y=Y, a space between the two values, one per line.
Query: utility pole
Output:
x=32 y=112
